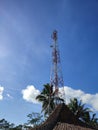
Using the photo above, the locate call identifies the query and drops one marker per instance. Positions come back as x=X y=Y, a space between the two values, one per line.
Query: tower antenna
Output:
x=56 y=77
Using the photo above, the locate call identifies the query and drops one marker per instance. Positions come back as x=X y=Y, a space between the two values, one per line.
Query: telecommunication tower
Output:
x=56 y=77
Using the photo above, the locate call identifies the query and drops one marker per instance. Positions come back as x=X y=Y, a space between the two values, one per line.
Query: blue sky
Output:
x=25 y=53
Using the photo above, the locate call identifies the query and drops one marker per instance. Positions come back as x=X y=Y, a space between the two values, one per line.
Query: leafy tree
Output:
x=12 y=125
x=34 y=119
x=26 y=126
x=4 y=124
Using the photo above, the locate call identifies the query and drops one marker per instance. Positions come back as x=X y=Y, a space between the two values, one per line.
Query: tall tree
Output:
x=91 y=120
x=78 y=108
x=47 y=98
x=34 y=119
x=4 y=124
x=83 y=113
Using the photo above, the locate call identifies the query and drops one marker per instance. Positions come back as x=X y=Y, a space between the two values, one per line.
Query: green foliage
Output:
x=34 y=119
x=83 y=113
x=4 y=124
x=78 y=108
x=48 y=99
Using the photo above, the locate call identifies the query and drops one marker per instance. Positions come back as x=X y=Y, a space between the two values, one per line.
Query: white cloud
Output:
x=90 y=99
x=30 y=93
x=1 y=92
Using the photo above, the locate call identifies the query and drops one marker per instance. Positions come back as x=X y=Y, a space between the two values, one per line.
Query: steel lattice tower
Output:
x=56 y=77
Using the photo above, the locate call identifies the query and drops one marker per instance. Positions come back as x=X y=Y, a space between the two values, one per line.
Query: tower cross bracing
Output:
x=56 y=77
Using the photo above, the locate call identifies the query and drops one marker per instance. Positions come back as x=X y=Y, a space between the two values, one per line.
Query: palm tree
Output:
x=82 y=113
x=47 y=98
x=78 y=109
x=91 y=120
x=94 y=121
